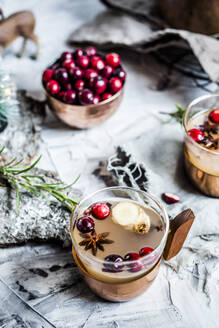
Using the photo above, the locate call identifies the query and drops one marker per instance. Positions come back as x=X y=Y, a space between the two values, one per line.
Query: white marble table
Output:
x=45 y=276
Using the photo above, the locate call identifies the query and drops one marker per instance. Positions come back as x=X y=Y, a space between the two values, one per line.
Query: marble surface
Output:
x=39 y=284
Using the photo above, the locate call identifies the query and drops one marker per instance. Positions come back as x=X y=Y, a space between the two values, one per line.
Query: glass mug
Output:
x=127 y=285
x=202 y=164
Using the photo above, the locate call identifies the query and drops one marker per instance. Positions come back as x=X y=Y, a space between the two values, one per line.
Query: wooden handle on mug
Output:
x=179 y=229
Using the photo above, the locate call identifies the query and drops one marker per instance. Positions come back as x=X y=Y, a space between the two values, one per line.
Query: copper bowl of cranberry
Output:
x=84 y=88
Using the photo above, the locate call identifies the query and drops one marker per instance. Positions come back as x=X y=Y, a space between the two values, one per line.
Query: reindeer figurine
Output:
x=19 y=24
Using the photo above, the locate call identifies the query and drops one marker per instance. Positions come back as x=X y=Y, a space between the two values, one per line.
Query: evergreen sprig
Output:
x=17 y=176
x=177 y=115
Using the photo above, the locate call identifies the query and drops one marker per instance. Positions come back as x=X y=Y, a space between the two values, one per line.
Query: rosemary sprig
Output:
x=177 y=115
x=15 y=175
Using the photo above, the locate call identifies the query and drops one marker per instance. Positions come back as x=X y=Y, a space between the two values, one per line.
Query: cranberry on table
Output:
x=83 y=61
x=61 y=75
x=116 y=266
x=196 y=134
x=70 y=96
x=96 y=99
x=106 y=96
x=115 y=84
x=97 y=63
x=47 y=75
x=100 y=210
x=90 y=74
x=145 y=251
x=66 y=55
x=120 y=73
x=52 y=87
x=136 y=265
x=214 y=116
x=78 y=53
x=68 y=64
x=76 y=73
x=99 y=84
x=86 y=97
x=79 y=85
x=113 y=59
x=170 y=198
x=85 y=224
x=91 y=51
x=107 y=71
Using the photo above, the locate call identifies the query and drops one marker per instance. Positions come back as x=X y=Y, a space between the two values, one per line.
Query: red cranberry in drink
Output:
x=100 y=210
x=120 y=73
x=106 y=96
x=115 y=84
x=214 y=116
x=97 y=63
x=90 y=74
x=70 y=96
x=113 y=59
x=137 y=265
x=68 y=64
x=99 y=84
x=86 y=97
x=83 y=61
x=116 y=266
x=67 y=86
x=79 y=85
x=107 y=71
x=66 y=55
x=78 y=53
x=196 y=134
x=76 y=73
x=96 y=99
x=47 y=75
x=145 y=251
x=61 y=75
x=52 y=87
x=91 y=51
x=85 y=224
x=170 y=198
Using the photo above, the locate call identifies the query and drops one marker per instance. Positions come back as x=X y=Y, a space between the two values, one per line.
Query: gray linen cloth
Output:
x=145 y=31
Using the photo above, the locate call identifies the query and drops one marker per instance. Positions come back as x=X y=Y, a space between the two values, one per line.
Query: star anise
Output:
x=94 y=242
x=207 y=127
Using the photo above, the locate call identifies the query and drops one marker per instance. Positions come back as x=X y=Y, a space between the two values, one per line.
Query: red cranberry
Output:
x=67 y=86
x=100 y=210
x=86 y=97
x=170 y=198
x=113 y=59
x=68 y=64
x=99 y=84
x=83 y=61
x=77 y=73
x=214 y=116
x=47 y=75
x=85 y=224
x=136 y=266
x=97 y=63
x=196 y=134
x=106 y=96
x=91 y=51
x=96 y=99
x=61 y=95
x=115 y=266
x=107 y=71
x=120 y=73
x=52 y=87
x=61 y=75
x=78 y=53
x=145 y=251
x=55 y=66
x=66 y=55
x=90 y=74
x=115 y=84
x=79 y=85
x=70 y=96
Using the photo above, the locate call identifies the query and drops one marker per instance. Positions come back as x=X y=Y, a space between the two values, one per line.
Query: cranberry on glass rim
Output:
x=116 y=266
x=214 y=116
x=145 y=251
x=136 y=266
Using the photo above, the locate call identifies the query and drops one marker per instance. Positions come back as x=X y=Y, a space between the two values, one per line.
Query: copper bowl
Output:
x=84 y=117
